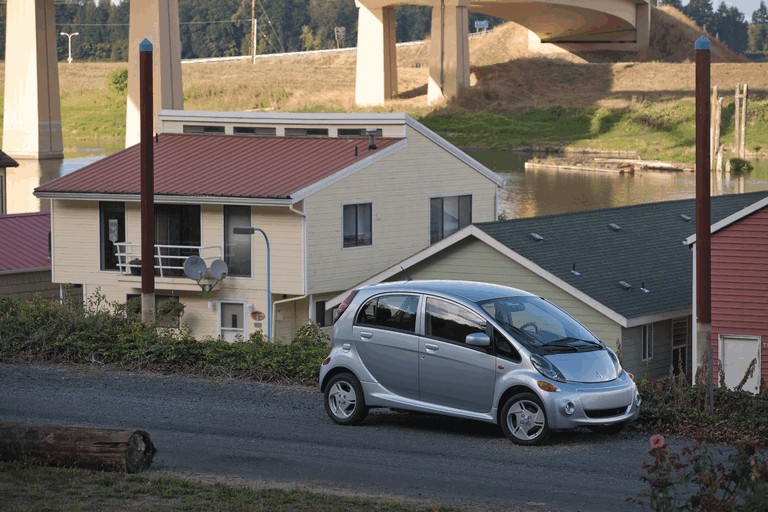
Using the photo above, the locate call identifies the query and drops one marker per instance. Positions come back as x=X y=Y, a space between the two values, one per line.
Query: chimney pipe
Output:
x=371 y=132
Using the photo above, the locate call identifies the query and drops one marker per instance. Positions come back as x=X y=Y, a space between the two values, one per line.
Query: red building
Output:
x=740 y=296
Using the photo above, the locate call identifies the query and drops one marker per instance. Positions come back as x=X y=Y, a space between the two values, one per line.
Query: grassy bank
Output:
x=26 y=486
x=514 y=100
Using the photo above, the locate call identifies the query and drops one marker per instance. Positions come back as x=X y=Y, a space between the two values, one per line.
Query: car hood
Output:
x=594 y=366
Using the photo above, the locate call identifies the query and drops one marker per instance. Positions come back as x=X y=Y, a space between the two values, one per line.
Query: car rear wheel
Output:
x=344 y=400
x=524 y=420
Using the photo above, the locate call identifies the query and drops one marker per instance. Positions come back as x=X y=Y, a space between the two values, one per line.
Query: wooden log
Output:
x=83 y=447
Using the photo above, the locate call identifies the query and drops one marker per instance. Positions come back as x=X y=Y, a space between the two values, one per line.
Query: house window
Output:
x=193 y=128
x=679 y=345
x=231 y=320
x=356 y=132
x=306 y=132
x=448 y=215
x=111 y=231
x=237 y=247
x=647 y=342
x=255 y=130
x=357 y=225
x=177 y=234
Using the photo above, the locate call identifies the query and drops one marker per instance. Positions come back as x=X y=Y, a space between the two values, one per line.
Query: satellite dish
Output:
x=195 y=268
x=219 y=269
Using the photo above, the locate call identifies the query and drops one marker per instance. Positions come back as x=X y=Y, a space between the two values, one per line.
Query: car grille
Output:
x=605 y=413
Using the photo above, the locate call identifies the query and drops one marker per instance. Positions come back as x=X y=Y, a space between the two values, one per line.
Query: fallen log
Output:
x=83 y=447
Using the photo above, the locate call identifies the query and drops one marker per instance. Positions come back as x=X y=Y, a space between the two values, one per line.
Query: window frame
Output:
x=647 y=342
x=103 y=235
x=377 y=298
x=439 y=234
x=357 y=227
x=228 y=233
x=462 y=307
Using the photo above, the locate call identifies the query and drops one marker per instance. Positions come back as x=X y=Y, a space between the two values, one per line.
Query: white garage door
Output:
x=736 y=353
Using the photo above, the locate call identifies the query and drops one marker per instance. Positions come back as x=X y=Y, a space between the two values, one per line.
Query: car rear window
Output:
x=397 y=312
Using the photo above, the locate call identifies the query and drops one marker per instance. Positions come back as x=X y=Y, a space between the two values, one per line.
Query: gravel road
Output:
x=276 y=434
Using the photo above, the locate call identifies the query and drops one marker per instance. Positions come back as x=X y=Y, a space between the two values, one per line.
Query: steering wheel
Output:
x=530 y=324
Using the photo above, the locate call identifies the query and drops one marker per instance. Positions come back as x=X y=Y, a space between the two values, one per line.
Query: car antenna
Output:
x=406 y=273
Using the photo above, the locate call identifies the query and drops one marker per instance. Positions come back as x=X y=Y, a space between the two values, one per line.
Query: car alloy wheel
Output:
x=524 y=420
x=344 y=400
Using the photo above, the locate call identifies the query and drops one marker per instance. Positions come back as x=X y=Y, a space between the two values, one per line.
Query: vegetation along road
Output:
x=243 y=431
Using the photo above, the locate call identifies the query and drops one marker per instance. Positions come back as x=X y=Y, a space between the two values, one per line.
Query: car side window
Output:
x=397 y=312
x=450 y=322
x=504 y=348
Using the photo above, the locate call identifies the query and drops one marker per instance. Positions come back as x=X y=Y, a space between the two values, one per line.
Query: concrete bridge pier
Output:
x=158 y=21
x=449 y=51
x=376 y=72
x=31 y=109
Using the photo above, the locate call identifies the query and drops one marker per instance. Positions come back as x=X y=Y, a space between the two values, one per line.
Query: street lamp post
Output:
x=69 y=40
x=250 y=231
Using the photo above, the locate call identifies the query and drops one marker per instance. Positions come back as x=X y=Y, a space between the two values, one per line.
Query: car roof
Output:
x=473 y=291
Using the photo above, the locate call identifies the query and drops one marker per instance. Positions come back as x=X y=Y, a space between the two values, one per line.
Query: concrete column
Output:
x=32 y=111
x=158 y=21
x=376 y=73
x=643 y=26
x=449 y=52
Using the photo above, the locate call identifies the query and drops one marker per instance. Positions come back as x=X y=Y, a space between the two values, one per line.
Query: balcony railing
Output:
x=169 y=259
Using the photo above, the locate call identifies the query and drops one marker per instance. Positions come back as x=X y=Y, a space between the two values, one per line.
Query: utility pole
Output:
x=704 y=351
x=69 y=40
x=147 y=183
x=254 y=29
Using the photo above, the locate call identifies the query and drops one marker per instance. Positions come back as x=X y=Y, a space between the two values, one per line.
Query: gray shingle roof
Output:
x=7 y=161
x=647 y=249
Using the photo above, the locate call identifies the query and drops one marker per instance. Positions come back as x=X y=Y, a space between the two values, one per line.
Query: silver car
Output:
x=473 y=350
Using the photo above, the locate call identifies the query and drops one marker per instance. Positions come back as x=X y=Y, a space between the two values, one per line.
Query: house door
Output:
x=736 y=354
x=231 y=320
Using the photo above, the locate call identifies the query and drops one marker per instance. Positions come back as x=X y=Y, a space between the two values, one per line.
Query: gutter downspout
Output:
x=274 y=308
x=292 y=208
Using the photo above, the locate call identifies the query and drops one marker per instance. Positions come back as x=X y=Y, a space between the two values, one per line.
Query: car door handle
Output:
x=366 y=335
x=431 y=346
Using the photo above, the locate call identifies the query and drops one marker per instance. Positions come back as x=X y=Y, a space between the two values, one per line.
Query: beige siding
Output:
x=27 y=285
x=476 y=261
x=76 y=260
x=399 y=188
x=660 y=363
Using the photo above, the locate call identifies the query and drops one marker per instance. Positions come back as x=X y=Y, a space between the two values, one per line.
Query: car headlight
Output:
x=616 y=363
x=546 y=368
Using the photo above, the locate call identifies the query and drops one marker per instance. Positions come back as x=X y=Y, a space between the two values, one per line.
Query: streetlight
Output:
x=69 y=39
x=249 y=231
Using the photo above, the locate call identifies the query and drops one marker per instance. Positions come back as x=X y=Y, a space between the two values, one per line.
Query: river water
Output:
x=526 y=193
x=534 y=193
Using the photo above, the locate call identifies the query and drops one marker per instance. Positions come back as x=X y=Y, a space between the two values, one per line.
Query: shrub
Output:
x=117 y=81
x=698 y=479
x=112 y=333
x=740 y=166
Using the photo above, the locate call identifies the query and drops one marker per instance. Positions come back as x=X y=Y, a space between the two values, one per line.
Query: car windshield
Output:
x=540 y=325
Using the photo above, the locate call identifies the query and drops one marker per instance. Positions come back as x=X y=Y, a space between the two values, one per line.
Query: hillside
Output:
x=510 y=102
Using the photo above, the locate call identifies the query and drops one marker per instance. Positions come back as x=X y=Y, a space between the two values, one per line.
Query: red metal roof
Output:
x=222 y=165
x=24 y=241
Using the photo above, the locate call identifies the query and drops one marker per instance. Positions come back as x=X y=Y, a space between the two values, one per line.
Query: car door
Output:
x=452 y=373
x=385 y=337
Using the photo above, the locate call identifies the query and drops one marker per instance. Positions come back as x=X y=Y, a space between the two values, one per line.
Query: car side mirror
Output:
x=478 y=339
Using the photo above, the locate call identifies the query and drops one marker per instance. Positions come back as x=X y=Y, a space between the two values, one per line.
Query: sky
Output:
x=745 y=6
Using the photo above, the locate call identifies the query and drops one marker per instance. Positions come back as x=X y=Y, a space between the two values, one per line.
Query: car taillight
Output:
x=345 y=304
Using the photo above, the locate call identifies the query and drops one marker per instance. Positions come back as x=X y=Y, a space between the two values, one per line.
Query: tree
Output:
x=700 y=11
x=761 y=14
x=729 y=26
x=677 y=4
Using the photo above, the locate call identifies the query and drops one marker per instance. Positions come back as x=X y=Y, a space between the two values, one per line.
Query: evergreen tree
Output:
x=761 y=14
x=700 y=11
x=729 y=26
x=677 y=4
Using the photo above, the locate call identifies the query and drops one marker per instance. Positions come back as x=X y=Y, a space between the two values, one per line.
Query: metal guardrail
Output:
x=169 y=259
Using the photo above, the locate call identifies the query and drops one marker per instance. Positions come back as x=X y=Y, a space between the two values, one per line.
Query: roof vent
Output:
x=686 y=218
x=625 y=285
x=614 y=227
x=574 y=271
x=371 y=132
x=643 y=288
x=536 y=237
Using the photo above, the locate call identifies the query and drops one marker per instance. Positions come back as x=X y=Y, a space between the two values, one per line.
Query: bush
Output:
x=740 y=166
x=111 y=333
x=698 y=479
x=117 y=81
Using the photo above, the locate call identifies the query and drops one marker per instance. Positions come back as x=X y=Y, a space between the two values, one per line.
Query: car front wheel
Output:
x=524 y=420
x=344 y=400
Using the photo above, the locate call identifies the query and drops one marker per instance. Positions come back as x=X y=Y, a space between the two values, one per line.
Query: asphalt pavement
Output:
x=277 y=434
